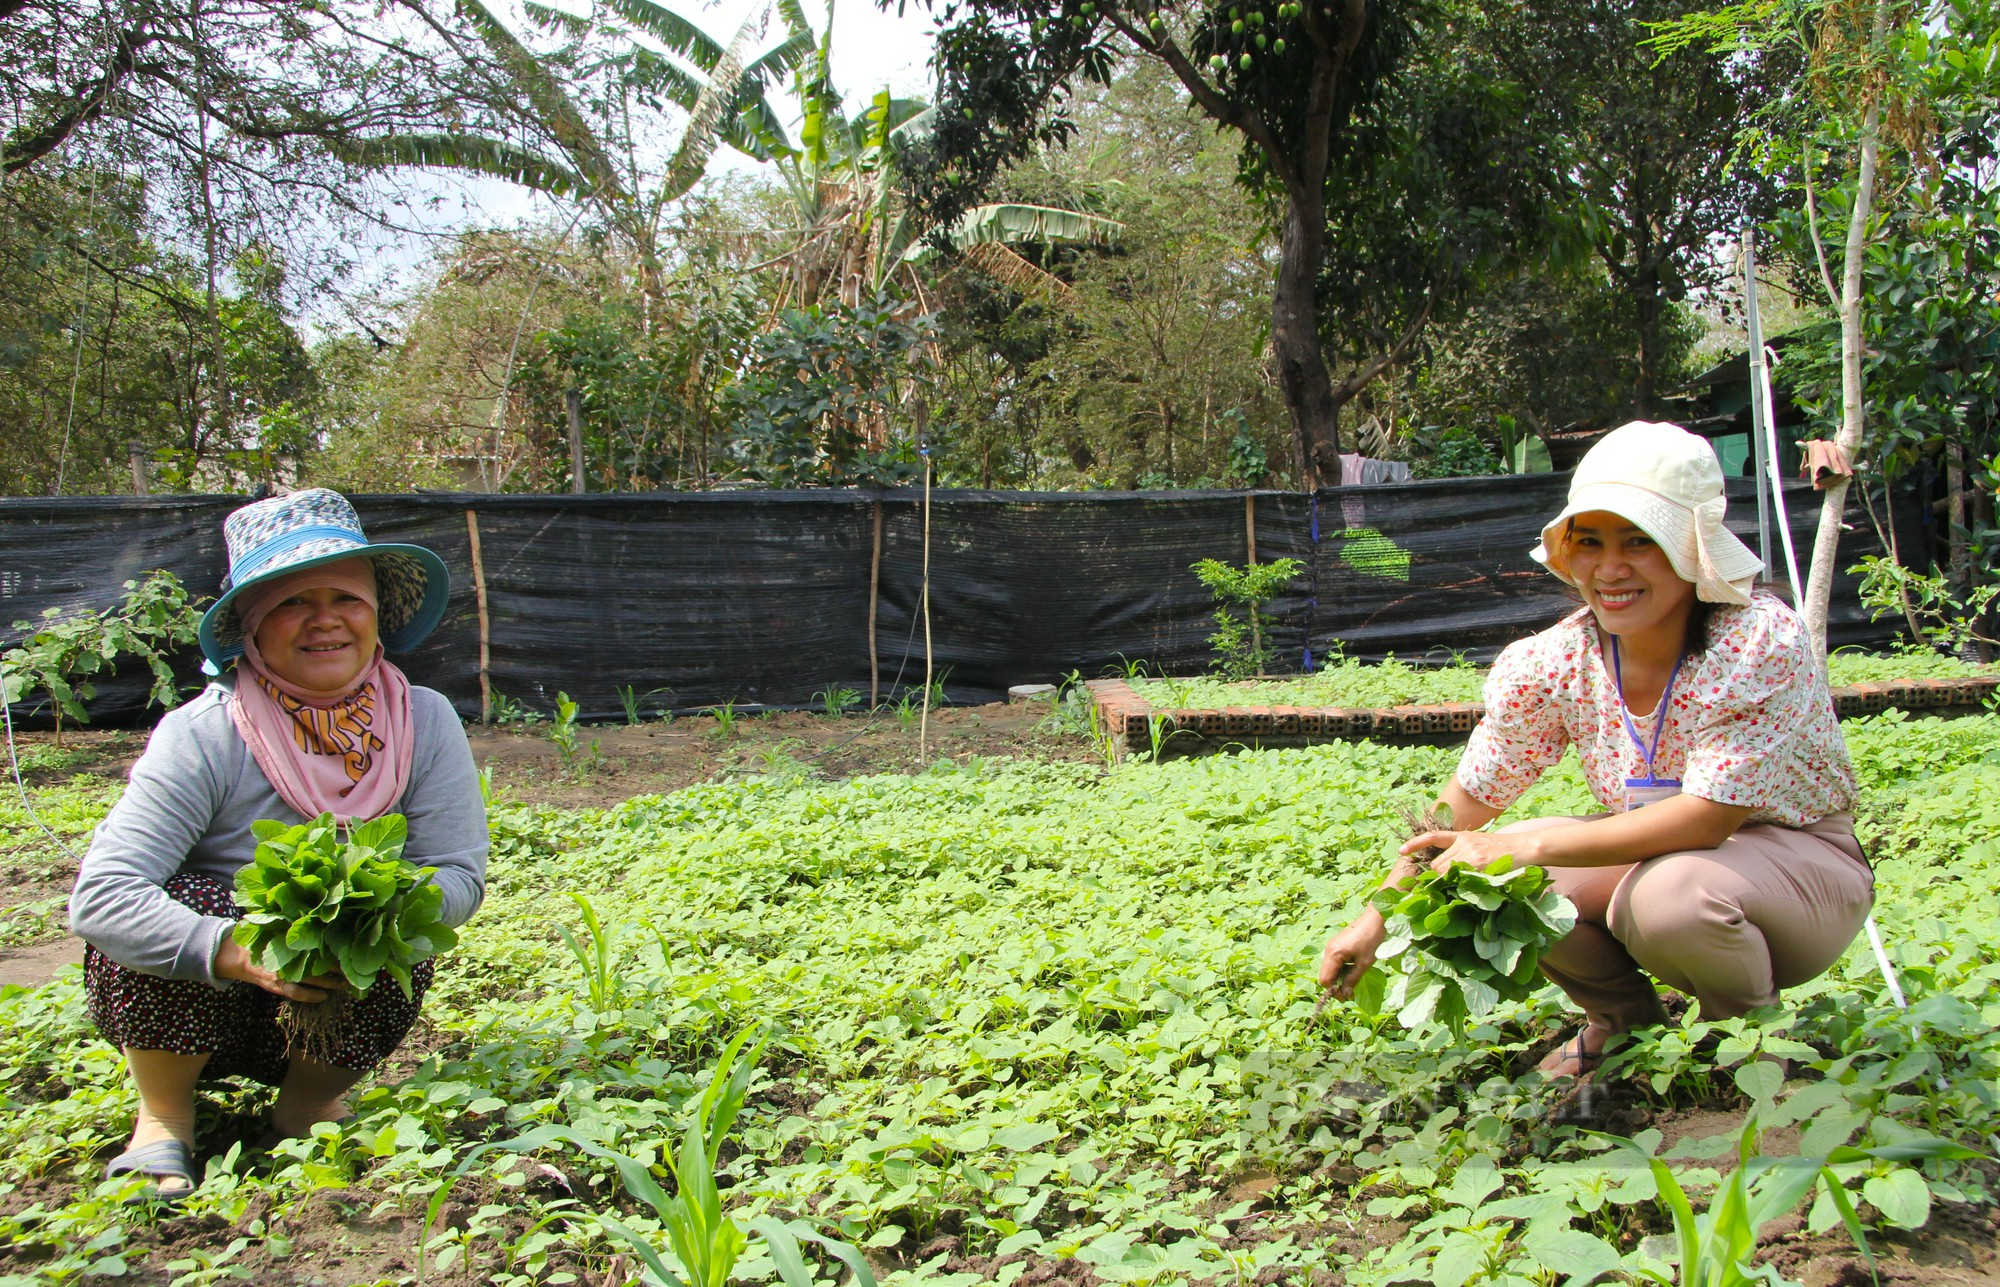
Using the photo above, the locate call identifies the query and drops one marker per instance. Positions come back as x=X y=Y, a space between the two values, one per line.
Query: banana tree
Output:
x=723 y=90
x=855 y=235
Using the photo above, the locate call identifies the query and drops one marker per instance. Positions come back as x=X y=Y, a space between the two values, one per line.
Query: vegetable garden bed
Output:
x=1397 y=703
x=1042 y=1024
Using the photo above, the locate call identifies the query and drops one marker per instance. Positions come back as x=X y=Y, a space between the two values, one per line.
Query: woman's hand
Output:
x=1473 y=848
x=1349 y=954
x=232 y=961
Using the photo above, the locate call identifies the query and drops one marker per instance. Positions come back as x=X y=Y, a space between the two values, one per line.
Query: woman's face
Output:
x=320 y=639
x=1626 y=578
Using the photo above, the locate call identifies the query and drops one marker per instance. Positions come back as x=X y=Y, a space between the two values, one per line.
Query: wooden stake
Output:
x=485 y=622
x=573 y=403
x=1250 y=542
x=924 y=721
x=874 y=598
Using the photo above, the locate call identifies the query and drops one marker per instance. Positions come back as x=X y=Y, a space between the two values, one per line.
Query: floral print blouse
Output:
x=1751 y=721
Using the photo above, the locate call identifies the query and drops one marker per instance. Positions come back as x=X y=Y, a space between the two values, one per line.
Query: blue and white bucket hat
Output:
x=283 y=534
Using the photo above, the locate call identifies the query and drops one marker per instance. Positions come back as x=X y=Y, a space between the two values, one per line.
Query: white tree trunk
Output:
x=1826 y=545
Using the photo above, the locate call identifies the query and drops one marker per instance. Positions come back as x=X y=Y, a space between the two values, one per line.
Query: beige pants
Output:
x=1769 y=909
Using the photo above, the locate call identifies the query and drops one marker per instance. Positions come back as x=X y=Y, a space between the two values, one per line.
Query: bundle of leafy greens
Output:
x=317 y=905
x=1466 y=939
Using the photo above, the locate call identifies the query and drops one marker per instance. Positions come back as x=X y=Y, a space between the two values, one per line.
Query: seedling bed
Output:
x=1125 y=712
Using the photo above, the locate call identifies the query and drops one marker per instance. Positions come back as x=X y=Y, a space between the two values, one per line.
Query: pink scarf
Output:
x=346 y=753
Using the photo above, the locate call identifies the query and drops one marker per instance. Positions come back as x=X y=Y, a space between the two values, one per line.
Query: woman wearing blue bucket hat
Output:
x=306 y=716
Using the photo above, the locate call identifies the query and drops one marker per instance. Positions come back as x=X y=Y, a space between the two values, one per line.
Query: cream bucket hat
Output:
x=1668 y=483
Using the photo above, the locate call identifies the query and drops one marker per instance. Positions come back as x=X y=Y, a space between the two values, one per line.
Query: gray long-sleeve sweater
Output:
x=192 y=798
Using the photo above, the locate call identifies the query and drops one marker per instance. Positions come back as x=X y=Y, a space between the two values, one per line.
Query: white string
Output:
x=76 y=360
x=14 y=764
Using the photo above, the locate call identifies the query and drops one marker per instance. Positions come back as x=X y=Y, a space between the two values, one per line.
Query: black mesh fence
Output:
x=764 y=598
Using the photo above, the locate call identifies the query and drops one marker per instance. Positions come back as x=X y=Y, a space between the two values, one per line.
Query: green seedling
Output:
x=630 y=697
x=1240 y=594
x=1131 y=669
x=600 y=973
x=578 y=757
x=317 y=905
x=835 y=701
x=510 y=713
x=725 y=719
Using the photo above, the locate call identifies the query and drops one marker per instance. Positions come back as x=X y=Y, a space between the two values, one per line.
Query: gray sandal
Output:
x=162 y=1160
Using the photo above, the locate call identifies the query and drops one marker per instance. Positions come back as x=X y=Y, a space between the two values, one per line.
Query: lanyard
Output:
x=1659 y=715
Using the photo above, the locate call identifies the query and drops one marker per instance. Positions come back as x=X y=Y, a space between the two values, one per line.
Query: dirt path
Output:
x=32 y=966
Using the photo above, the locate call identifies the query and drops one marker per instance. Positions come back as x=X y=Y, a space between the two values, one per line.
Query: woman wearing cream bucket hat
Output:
x=1724 y=863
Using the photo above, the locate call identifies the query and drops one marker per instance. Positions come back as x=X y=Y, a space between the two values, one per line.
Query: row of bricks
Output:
x=1125 y=711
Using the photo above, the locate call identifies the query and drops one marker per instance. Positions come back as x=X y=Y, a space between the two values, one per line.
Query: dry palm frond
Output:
x=1011 y=270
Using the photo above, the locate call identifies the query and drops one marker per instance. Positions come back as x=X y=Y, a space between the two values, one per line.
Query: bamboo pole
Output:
x=874 y=599
x=485 y=621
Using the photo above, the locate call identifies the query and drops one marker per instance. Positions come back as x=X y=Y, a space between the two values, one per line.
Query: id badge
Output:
x=1640 y=792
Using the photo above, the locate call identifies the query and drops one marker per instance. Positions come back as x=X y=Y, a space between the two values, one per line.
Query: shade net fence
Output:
x=770 y=598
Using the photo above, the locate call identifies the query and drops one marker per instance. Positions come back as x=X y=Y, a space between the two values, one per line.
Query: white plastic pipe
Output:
x=1763 y=413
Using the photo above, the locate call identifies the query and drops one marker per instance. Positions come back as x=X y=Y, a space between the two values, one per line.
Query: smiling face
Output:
x=1627 y=579
x=320 y=639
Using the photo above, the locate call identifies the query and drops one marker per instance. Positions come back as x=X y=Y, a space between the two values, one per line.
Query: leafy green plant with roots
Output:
x=61 y=656
x=320 y=903
x=1465 y=938
x=1241 y=649
x=705 y=1240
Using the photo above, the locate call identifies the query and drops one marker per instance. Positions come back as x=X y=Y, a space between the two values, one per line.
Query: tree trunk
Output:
x=1647 y=302
x=1303 y=380
x=1826 y=545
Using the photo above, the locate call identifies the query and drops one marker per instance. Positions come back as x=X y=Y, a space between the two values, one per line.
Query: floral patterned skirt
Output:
x=236 y=1026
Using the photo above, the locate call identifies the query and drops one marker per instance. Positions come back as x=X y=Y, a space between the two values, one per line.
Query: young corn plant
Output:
x=1717 y=1247
x=835 y=701
x=598 y=960
x=725 y=719
x=704 y=1240
x=631 y=698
